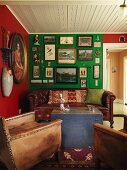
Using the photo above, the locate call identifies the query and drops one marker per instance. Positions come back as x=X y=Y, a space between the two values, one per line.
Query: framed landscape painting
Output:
x=85 y=54
x=67 y=56
x=66 y=75
x=85 y=41
x=49 y=39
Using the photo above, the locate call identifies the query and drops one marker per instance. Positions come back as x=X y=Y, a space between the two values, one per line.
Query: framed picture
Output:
x=66 y=40
x=49 y=39
x=83 y=72
x=85 y=54
x=36 y=71
x=49 y=72
x=83 y=83
x=36 y=58
x=96 y=71
x=18 y=57
x=49 y=51
x=85 y=41
x=66 y=75
x=67 y=56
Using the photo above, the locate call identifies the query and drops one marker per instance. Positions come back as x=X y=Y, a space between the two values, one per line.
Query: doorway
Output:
x=125 y=79
x=114 y=46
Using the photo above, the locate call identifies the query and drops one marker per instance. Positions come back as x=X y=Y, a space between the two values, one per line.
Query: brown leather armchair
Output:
x=24 y=142
x=111 y=145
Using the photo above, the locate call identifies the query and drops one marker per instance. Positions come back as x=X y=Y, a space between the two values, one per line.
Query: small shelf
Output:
x=6 y=53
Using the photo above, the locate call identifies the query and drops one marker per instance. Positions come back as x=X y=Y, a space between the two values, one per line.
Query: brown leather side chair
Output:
x=111 y=145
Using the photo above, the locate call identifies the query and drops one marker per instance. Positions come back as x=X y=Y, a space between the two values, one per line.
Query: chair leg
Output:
x=97 y=164
x=57 y=156
x=111 y=124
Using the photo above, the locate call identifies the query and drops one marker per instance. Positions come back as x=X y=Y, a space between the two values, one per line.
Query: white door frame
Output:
x=125 y=79
x=109 y=46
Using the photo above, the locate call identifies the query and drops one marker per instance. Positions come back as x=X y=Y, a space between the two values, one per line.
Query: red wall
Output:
x=113 y=38
x=9 y=106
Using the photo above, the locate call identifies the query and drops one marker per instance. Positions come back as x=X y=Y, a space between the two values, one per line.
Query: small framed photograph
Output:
x=66 y=40
x=34 y=48
x=97 y=60
x=49 y=72
x=96 y=71
x=83 y=72
x=49 y=39
x=85 y=41
x=85 y=55
x=49 y=51
x=83 y=83
x=36 y=71
x=67 y=56
x=36 y=58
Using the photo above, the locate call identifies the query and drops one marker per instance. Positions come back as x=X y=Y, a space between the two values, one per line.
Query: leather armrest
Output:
x=108 y=98
x=37 y=98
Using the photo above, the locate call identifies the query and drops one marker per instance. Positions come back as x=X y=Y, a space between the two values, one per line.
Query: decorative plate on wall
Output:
x=18 y=57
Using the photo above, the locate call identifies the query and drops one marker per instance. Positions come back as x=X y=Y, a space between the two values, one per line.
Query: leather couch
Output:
x=24 y=142
x=41 y=98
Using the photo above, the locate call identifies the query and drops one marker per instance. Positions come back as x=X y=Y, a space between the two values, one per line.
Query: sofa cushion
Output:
x=94 y=96
x=70 y=96
x=54 y=96
x=81 y=95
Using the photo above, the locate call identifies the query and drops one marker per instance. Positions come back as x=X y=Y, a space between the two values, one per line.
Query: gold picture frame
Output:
x=85 y=41
x=18 y=57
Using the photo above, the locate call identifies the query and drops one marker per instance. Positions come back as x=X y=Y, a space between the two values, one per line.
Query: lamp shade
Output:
x=122 y=12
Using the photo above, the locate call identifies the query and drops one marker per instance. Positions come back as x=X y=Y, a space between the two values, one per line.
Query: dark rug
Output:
x=71 y=159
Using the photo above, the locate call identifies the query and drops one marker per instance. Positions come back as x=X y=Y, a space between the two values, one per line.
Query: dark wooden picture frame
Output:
x=18 y=57
x=49 y=39
x=66 y=75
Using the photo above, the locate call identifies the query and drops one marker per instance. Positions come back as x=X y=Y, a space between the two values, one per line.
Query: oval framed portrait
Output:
x=18 y=57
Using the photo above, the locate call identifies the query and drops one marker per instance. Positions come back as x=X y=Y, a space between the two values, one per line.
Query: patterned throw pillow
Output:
x=54 y=96
x=65 y=95
x=72 y=96
x=81 y=95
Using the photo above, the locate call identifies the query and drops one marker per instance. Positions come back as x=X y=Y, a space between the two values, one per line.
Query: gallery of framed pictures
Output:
x=66 y=75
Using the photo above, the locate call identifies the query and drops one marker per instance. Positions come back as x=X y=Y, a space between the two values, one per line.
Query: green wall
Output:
x=46 y=82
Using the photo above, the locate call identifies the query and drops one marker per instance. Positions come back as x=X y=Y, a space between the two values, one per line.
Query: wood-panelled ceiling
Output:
x=74 y=16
